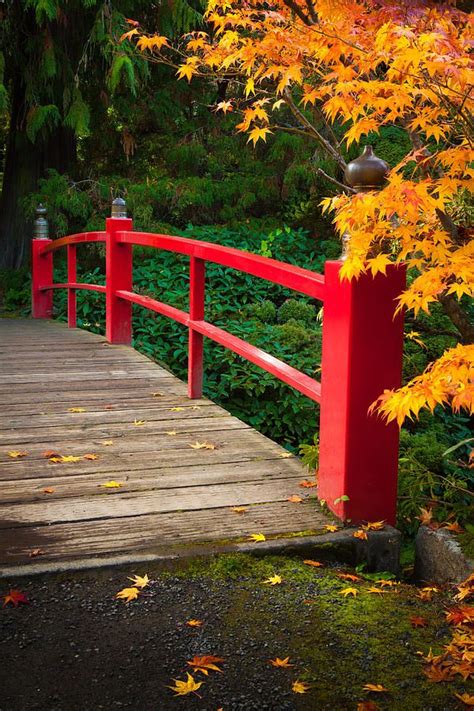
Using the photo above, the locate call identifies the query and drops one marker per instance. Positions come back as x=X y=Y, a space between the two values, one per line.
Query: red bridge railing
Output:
x=361 y=353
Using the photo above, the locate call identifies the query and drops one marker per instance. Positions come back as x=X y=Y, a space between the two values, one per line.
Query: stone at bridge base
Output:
x=439 y=558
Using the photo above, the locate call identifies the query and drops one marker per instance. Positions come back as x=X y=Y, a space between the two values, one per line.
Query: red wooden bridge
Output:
x=182 y=463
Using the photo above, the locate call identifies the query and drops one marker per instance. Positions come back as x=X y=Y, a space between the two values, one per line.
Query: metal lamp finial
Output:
x=119 y=208
x=41 y=228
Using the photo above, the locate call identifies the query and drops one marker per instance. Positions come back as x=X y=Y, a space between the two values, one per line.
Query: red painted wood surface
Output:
x=118 y=275
x=362 y=349
x=41 y=277
x=362 y=356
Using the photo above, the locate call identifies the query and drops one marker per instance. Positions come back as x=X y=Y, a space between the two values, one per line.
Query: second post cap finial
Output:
x=367 y=172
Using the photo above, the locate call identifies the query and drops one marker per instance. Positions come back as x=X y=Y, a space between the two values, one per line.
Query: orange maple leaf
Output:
x=15 y=598
x=307 y=484
x=206 y=664
x=460 y=615
x=417 y=621
x=281 y=663
x=360 y=534
x=314 y=563
x=49 y=490
x=375 y=688
x=194 y=623
x=294 y=499
x=349 y=576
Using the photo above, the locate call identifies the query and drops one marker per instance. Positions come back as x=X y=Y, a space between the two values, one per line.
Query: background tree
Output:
x=59 y=64
x=336 y=72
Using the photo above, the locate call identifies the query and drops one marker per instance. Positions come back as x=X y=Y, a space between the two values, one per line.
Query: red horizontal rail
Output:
x=301 y=382
x=75 y=285
x=148 y=303
x=296 y=278
x=73 y=239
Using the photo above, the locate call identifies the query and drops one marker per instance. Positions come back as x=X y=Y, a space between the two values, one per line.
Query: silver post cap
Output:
x=119 y=208
x=41 y=228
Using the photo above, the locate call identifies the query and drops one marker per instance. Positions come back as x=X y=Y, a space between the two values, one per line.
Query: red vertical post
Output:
x=41 y=268
x=362 y=356
x=118 y=269
x=197 y=275
x=72 y=278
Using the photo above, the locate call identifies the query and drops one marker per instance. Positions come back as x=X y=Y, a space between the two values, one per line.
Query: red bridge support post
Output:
x=41 y=268
x=362 y=356
x=197 y=275
x=118 y=269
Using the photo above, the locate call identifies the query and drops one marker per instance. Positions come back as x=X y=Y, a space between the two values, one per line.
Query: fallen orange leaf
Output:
x=460 y=615
x=307 y=484
x=49 y=490
x=417 y=621
x=91 y=457
x=454 y=527
x=349 y=576
x=35 y=552
x=194 y=623
x=15 y=598
x=281 y=663
x=295 y=499
x=16 y=454
x=360 y=534
x=314 y=563
x=426 y=516
x=205 y=664
x=51 y=453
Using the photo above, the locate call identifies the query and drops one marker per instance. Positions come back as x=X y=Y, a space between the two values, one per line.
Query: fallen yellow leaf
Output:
x=128 y=594
x=176 y=409
x=76 y=409
x=70 y=458
x=239 y=509
x=281 y=663
x=139 y=581
x=466 y=698
x=139 y=423
x=377 y=688
x=273 y=580
x=15 y=454
x=183 y=688
x=171 y=433
x=349 y=591
x=375 y=526
x=331 y=527
x=112 y=484
x=202 y=445
x=300 y=687
x=360 y=534
x=157 y=394
x=377 y=591
x=257 y=537
x=107 y=442
x=285 y=455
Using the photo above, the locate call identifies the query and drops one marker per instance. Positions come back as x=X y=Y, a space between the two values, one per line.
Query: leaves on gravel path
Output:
x=300 y=687
x=139 y=581
x=281 y=663
x=206 y=664
x=128 y=594
x=273 y=580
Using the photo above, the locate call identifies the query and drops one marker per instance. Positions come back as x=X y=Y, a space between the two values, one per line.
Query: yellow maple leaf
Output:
x=183 y=688
x=331 y=527
x=285 y=455
x=16 y=454
x=257 y=537
x=76 y=409
x=360 y=534
x=139 y=423
x=281 y=663
x=65 y=459
x=273 y=580
x=374 y=526
x=466 y=698
x=186 y=70
x=112 y=484
x=239 y=509
x=171 y=433
x=300 y=687
x=258 y=133
x=377 y=688
x=177 y=409
x=194 y=623
x=202 y=445
x=140 y=581
x=349 y=591
x=128 y=594
x=224 y=106
x=107 y=442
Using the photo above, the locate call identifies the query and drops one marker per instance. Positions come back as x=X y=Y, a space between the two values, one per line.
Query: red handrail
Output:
x=362 y=348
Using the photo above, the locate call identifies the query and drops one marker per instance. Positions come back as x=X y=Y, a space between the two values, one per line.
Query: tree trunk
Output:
x=25 y=164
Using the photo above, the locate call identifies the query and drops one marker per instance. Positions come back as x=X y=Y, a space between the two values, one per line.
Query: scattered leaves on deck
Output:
x=107 y=442
x=76 y=409
x=92 y=456
x=257 y=537
x=49 y=490
x=294 y=499
x=202 y=445
x=112 y=484
x=139 y=423
x=331 y=527
x=307 y=484
x=239 y=509
x=16 y=454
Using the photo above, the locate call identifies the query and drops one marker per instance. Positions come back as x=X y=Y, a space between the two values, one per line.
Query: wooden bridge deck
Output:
x=138 y=426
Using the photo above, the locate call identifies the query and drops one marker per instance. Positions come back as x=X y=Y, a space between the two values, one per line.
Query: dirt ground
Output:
x=75 y=647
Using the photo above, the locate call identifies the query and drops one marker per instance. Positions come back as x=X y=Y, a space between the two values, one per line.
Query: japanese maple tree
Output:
x=335 y=71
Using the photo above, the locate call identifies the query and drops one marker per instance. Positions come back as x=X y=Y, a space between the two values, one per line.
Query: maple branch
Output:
x=457 y=315
x=312 y=11
x=328 y=147
x=298 y=11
